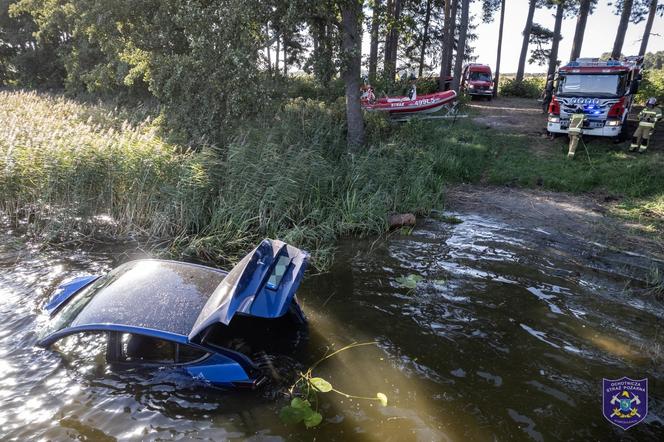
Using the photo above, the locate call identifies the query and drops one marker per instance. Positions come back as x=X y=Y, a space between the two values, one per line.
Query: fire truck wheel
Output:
x=624 y=133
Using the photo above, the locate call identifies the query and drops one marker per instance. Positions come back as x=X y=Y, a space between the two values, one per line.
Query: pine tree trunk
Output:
x=448 y=42
x=500 y=47
x=269 y=53
x=285 y=58
x=389 y=16
x=461 y=46
x=277 y=54
x=584 y=10
x=648 y=29
x=373 y=47
x=622 y=29
x=352 y=55
x=553 y=55
x=393 y=37
x=425 y=36
x=526 y=39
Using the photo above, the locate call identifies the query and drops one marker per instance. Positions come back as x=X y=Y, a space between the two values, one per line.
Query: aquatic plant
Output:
x=409 y=281
x=304 y=405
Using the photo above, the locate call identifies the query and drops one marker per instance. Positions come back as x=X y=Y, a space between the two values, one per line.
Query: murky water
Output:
x=507 y=337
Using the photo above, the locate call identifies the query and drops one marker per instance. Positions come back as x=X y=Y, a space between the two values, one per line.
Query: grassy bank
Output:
x=73 y=169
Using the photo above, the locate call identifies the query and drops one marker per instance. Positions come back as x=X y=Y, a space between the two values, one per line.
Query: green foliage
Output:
x=528 y=88
x=651 y=86
x=653 y=60
x=305 y=391
x=409 y=281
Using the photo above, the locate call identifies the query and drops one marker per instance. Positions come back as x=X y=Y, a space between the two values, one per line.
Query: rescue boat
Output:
x=403 y=106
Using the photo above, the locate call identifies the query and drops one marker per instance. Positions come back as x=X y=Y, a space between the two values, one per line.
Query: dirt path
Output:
x=580 y=216
x=520 y=115
x=525 y=116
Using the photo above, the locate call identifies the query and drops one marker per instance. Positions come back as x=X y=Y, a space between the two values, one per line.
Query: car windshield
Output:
x=67 y=314
x=600 y=85
x=480 y=76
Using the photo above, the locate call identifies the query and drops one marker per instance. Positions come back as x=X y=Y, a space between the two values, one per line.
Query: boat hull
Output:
x=402 y=106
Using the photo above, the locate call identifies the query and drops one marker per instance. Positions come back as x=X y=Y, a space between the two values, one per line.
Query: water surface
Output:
x=507 y=337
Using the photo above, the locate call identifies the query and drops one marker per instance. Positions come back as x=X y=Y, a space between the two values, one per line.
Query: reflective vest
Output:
x=648 y=117
x=576 y=123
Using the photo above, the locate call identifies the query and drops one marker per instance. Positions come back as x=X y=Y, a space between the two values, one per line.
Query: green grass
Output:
x=71 y=169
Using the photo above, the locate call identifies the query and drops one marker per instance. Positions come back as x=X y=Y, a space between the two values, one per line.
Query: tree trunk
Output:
x=500 y=47
x=389 y=17
x=425 y=36
x=373 y=48
x=393 y=38
x=461 y=45
x=584 y=10
x=352 y=55
x=526 y=39
x=553 y=55
x=277 y=54
x=648 y=29
x=269 y=54
x=285 y=58
x=448 y=42
x=622 y=29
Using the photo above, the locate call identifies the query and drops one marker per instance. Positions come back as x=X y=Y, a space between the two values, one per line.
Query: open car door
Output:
x=263 y=284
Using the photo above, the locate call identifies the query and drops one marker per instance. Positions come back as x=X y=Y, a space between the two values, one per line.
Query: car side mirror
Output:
x=634 y=87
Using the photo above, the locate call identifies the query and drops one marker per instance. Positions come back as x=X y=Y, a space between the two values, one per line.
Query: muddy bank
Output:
x=584 y=219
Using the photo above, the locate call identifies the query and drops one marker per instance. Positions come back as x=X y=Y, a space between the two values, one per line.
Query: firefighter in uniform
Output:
x=575 y=131
x=648 y=117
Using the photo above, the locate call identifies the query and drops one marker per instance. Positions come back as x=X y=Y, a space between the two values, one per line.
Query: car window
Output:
x=145 y=349
x=186 y=353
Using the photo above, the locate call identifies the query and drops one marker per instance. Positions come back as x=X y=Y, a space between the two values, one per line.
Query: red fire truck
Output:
x=603 y=90
x=477 y=80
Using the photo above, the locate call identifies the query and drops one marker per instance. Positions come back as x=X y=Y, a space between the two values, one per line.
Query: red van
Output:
x=477 y=80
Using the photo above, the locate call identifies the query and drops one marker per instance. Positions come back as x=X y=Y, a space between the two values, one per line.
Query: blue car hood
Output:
x=262 y=284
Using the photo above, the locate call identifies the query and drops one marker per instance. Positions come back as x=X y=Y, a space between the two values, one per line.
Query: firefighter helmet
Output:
x=652 y=102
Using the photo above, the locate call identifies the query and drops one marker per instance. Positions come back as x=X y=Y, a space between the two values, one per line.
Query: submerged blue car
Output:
x=207 y=321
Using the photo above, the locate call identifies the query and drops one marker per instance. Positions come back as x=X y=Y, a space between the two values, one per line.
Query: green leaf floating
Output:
x=291 y=415
x=321 y=384
x=410 y=281
x=313 y=419
x=299 y=403
x=382 y=398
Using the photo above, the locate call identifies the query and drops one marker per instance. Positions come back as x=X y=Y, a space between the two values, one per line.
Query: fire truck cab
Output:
x=603 y=90
x=477 y=80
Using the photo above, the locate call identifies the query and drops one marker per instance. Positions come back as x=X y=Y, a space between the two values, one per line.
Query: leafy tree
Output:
x=654 y=60
x=540 y=37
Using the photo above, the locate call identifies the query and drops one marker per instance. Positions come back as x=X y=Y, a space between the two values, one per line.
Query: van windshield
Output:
x=599 y=85
x=480 y=76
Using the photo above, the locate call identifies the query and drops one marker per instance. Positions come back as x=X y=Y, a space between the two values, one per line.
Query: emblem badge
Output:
x=625 y=401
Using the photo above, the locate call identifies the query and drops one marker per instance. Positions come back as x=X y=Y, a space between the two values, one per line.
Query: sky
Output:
x=598 y=38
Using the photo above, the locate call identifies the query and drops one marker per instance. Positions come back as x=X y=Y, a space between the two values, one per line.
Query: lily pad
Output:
x=300 y=403
x=312 y=419
x=321 y=384
x=410 y=281
x=291 y=415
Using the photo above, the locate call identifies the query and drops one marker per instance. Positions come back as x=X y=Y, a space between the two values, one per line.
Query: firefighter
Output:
x=648 y=117
x=575 y=131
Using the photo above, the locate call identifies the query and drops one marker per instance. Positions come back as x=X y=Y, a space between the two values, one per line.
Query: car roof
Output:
x=152 y=294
